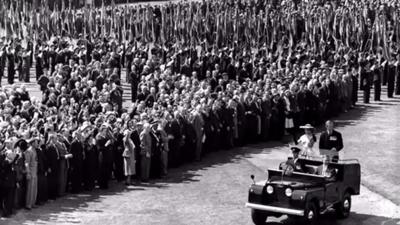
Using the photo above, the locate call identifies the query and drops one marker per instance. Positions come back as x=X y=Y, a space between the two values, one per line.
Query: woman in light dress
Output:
x=129 y=156
x=307 y=141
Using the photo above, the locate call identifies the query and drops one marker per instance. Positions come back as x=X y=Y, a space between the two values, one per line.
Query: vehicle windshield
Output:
x=318 y=165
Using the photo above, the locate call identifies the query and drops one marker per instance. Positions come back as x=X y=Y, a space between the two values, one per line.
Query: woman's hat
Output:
x=307 y=126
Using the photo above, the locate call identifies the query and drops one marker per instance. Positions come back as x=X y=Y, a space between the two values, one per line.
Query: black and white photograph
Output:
x=200 y=112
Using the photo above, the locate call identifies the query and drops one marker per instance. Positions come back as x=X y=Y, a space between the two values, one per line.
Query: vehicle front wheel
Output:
x=343 y=208
x=258 y=217
x=310 y=214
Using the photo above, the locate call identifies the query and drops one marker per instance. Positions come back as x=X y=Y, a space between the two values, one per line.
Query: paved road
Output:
x=214 y=191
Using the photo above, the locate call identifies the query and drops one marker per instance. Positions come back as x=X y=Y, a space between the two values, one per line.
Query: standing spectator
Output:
x=354 y=94
x=10 y=65
x=76 y=163
x=20 y=147
x=3 y=58
x=163 y=137
x=31 y=165
x=290 y=108
x=91 y=156
x=42 y=173
x=391 y=71
x=145 y=145
x=64 y=155
x=129 y=157
x=365 y=83
x=397 y=65
x=26 y=65
x=198 y=124
x=377 y=71
x=53 y=158
x=118 y=133
x=8 y=175
x=104 y=141
x=134 y=77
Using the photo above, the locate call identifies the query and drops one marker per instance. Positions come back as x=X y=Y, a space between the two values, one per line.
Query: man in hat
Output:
x=294 y=159
x=331 y=139
x=31 y=165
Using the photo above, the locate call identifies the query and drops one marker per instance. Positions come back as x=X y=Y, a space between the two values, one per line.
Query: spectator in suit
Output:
x=145 y=142
x=31 y=164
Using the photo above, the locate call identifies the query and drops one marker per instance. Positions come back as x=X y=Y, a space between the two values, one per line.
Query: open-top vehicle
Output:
x=305 y=194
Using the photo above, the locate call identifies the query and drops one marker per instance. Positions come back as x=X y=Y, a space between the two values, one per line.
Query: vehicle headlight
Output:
x=270 y=189
x=288 y=192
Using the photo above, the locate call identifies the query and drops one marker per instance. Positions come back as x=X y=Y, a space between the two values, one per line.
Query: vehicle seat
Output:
x=311 y=169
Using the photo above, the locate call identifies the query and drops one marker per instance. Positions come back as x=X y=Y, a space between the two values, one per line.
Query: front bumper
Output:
x=275 y=209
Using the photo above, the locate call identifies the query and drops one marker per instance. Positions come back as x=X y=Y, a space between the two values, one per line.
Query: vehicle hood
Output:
x=294 y=184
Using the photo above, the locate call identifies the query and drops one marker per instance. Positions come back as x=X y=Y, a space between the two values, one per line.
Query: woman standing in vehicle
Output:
x=307 y=141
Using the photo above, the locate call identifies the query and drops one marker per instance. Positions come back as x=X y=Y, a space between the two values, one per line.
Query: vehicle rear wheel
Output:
x=258 y=217
x=310 y=214
x=343 y=208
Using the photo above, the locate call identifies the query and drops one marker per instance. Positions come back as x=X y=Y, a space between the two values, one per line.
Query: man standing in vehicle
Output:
x=331 y=140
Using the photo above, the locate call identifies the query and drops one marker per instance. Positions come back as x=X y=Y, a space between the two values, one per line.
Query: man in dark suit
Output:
x=331 y=139
x=391 y=76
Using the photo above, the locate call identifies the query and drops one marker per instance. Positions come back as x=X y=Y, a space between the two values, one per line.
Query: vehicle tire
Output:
x=310 y=214
x=343 y=208
x=258 y=217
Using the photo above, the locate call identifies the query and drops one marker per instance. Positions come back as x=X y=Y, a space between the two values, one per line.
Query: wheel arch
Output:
x=349 y=190
x=315 y=201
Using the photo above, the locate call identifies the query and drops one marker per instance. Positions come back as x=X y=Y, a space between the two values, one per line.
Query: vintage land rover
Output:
x=306 y=194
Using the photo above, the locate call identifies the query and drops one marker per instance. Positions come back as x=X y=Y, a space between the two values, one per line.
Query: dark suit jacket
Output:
x=333 y=140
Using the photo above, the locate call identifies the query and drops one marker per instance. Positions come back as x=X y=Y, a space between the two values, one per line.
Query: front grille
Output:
x=280 y=197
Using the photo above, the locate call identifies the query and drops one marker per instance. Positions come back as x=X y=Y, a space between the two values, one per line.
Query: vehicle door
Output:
x=332 y=194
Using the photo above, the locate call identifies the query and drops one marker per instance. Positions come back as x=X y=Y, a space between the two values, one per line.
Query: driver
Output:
x=294 y=161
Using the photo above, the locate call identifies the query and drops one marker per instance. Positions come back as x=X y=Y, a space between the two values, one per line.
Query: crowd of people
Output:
x=204 y=76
